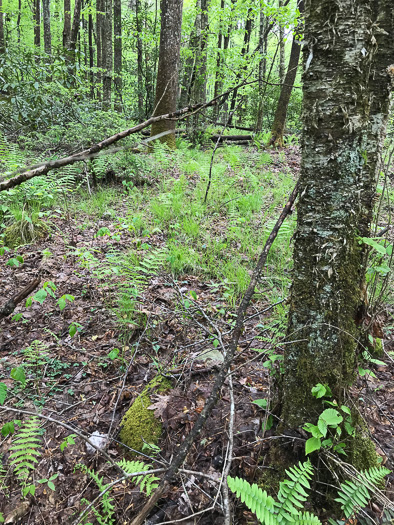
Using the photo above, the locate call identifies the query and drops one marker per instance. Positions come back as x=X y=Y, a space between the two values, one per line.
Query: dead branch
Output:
x=222 y=374
x=44 y=168
x=10 y=305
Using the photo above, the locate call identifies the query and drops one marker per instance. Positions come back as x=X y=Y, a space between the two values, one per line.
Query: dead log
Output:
x=10 y=305
x=231 y=138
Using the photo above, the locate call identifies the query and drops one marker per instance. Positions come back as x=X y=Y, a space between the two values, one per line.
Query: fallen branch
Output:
x=10 y=305
x=44 y=168
x=222 y=374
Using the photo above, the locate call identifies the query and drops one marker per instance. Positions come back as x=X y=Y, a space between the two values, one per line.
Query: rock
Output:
x=100 y=440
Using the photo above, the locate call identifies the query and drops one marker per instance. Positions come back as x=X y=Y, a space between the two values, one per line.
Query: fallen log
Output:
x=10 y=305
x=231 y=138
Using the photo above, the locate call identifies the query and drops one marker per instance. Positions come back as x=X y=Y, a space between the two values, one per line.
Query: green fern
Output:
x=291 y=495
x=146 y=483
x=108 y=508
x=356 y=494
x=25 y=448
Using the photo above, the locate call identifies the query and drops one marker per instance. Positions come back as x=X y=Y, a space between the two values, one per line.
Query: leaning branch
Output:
x=12 y=303
x=44 y=168
x=222 y=374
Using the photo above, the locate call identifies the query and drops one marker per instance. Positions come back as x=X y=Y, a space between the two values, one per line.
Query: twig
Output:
x=10 y=305
x=222 y=374
x=226 y=471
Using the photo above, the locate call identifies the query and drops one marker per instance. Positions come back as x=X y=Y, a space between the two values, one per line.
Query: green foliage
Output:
x=354 y=495
x=291 y=498
x=25 y=448
x=107 y=505
x=146 y=483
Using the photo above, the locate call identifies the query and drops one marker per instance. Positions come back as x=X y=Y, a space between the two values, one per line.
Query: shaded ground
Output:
x=74 y=379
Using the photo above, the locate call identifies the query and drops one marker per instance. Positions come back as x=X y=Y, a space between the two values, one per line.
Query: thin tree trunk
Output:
x=140 y=61
x=107 y=55
x=37 y=25
x=75 y=30
x=278 y=126
x=167 y=75
x=18 y=21
x=46 y=13
x=67 y=23
x=118 y=54
x=244 y=51
x=263 y=44
x=347 y=83
x=91 y=54
x=2 y=40
x=282 y=71
x=99 y=45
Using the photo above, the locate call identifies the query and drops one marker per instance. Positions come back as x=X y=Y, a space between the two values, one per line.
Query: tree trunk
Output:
x=167 y=75
x=278 y=125
x=140 y=61
x=107 y=54
x=2 y=40
x=99 y=45
x=46 y=13
x=72 y=46
x=282 y=72
x=37 y=25
x=347 y=59
x=244 y=51
x=91 y=54
x=67 y=23
x=263 y=45
x=118 y=54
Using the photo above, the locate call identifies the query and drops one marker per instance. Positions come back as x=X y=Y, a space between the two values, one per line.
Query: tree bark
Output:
x=2 y=39
x=347 y=83
x=46 y=13
x=278 y=125
x=118 y=54
x=140 y=61
x=282 y=72
x=67 y=23
x=107 y=54
x=37 y=25
x=99 y=45
x=167 y=75
x=72 y=45
x=263 y=45
x=91 y=54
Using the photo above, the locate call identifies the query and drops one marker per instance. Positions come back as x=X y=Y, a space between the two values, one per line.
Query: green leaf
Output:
x=18 y=374
x=376 y=246
x=346 y=409
x=8 y=428
x=51 y=485
x=262 y=403
x=3 y=393
x=331 y=416
x=193 y=294
x=13 y=262
x=72 y=330
x=322 y=427
x=29 y=302
x=16 y=317
x=40 y=296
x=312 y=444
x=319 y=391
x=62 y=303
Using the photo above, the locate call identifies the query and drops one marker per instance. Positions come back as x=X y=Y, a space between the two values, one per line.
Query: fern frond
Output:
x=355 y=494
x=25 y=447
x=291 y=492
x=306 y=518
x=256 y=499
x=146 y=483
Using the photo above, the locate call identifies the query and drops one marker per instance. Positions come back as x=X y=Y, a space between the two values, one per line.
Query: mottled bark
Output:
x=72 y=45
x=167 y=74
x=344 y=118
x=219 y=58
x=282 y=68
x=67 y=23
x=278 y=126
x=118 y=54
x=46 y=14
x=107 y=54
x=2 y=40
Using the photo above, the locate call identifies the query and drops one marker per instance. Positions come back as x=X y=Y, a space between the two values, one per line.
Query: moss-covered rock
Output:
x=139 y=425
x=24 y=232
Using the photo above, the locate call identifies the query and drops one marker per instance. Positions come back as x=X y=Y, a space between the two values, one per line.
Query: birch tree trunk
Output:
x=167 y=74
x=107 y=55
x=347 y=81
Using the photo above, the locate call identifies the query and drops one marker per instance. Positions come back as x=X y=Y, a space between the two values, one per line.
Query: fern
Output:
x=108 y=508
x=256 y=499
x=291 y=492
x=146 y=483
x=25 y=448
x=356 y=494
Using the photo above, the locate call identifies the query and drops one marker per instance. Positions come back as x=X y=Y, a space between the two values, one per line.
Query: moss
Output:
x=378 y=350
x=24 y=232
x=140 y=425
x=362 y=453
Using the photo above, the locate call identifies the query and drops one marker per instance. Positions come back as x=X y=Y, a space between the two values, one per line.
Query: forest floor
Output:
x=153 y=277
